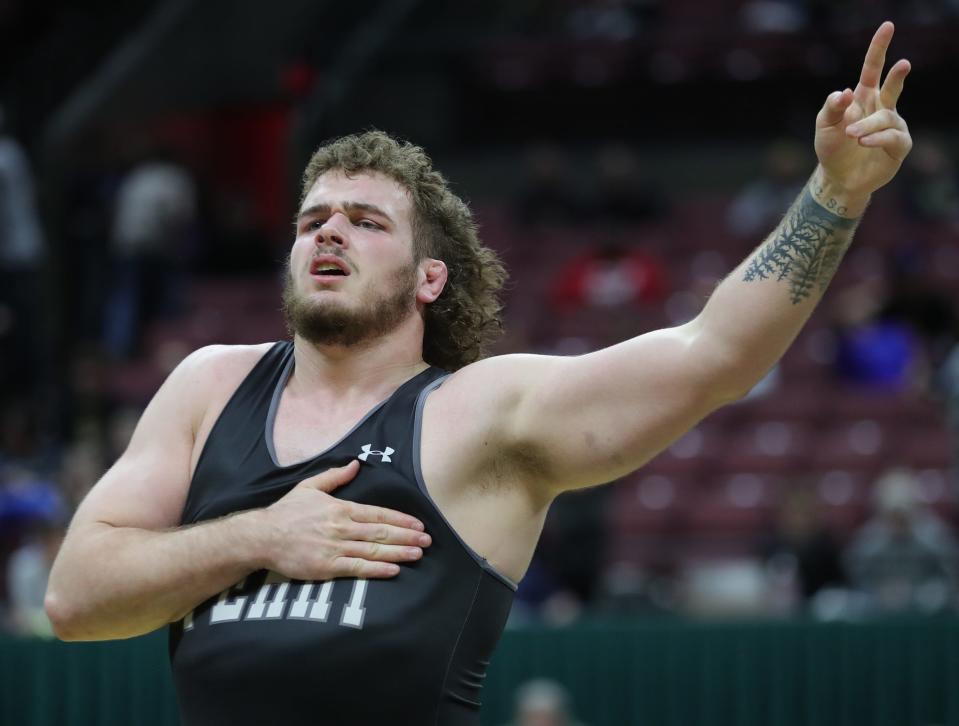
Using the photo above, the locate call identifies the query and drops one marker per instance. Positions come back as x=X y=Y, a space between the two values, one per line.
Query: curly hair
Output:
x=466 y=317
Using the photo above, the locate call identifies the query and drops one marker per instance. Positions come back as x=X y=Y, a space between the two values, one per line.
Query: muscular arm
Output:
x=571 y=422
x=137 y=580
x=123 y=570
x=597 y=417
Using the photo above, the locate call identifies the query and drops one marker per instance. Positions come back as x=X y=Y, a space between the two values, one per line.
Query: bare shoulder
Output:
x=481 y=399
x=213 y=363
x=210 y=376
x=201 y=379
x=218 y=365
x=490 y=391
x=147 y=486
x=495 y=381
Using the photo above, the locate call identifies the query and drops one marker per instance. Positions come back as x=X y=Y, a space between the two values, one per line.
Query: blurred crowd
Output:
x=600 y=249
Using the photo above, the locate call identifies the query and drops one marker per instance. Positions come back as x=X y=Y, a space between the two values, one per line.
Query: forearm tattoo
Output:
x=806 y=249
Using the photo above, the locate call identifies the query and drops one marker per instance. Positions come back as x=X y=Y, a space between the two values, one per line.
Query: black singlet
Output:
x=410 y=650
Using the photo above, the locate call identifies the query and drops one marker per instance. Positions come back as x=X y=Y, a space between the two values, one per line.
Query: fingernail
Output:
x=414 y=553
x=393 y=569
x=419 y=526
x=425 y=540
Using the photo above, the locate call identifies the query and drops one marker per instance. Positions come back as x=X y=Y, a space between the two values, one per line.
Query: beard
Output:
x=326 y=323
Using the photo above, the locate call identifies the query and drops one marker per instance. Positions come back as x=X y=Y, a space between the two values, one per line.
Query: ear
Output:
x=431 y=279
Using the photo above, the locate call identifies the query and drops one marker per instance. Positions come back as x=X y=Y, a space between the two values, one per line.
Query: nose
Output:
x=331 y=232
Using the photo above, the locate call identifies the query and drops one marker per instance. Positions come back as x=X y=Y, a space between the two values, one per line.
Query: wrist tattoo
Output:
x=806 y=248
x=831 y=204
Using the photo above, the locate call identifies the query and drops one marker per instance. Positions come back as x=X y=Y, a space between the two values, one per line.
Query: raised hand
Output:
x=311 y=535
x=861 y=139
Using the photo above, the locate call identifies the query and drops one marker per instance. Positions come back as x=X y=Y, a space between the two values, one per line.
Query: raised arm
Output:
x=572 y=422
x=861 y=141
x=126 y=568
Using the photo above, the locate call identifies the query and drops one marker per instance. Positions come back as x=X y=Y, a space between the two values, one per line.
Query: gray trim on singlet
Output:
x=275 y=404
x=418 y=473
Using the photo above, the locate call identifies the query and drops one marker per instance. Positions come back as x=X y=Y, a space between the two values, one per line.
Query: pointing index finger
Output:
x=380 y=515
x=876 y=56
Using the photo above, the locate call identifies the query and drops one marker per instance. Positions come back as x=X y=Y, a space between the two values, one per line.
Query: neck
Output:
x=371 y=368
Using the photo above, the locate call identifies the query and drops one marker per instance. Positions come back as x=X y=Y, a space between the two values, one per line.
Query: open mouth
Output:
x=328 y=267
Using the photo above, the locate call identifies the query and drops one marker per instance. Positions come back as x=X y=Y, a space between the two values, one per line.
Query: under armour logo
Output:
x=368 y=451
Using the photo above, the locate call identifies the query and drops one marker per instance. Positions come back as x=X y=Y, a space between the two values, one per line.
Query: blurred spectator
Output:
x=759 y=207
x=801 y=554
x=155 y=214
x=931 y=185
x=26 y=496
x=878 y=354
x=548 y=196
x=25 y=499
x=543 y=702
x=623 y=193
x=27 y=573
x=904 y=557
x=894 y=331
x=21 y=257
x=609 y=276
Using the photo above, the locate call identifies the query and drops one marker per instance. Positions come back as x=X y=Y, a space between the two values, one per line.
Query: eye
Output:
x=315 y=224
x=368 y=224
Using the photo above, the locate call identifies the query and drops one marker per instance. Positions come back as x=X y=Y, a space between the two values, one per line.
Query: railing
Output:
x=660 y=673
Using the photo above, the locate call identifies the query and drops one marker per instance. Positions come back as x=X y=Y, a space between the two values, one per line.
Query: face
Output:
x=351 y=275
